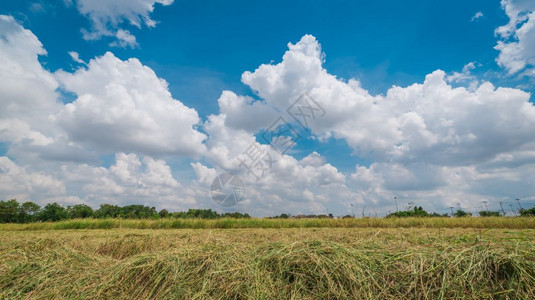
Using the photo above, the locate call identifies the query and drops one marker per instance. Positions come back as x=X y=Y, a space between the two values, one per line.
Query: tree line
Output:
x=420 y=212
x=11 y=211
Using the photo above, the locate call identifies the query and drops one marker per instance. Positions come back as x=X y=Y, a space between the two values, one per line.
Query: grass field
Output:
x=344 y=259
x=171 y=223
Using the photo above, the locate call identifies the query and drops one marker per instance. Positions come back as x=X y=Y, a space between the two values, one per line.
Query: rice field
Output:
x=225 y=223
x=272 y=259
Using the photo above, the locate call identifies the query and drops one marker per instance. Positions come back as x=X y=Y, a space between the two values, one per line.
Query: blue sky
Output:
x=203 y=48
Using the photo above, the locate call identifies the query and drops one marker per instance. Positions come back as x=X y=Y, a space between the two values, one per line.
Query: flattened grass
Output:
x=295 y=263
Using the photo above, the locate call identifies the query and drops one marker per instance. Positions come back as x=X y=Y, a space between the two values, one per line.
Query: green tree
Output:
x=527 y=212
x=163 y=213
x=202 y=214
x=485 y=213
x=80 y=211
x=138 y=212
x=236 y=215
x=415 y=212
x=53 y=212
x=461 y=213
x=107 y=211
x=28 y=212
x=9 y=211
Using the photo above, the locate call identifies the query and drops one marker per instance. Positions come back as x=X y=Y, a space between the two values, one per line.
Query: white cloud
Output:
x=243 y=112
x=430 y=142
x=431 y=120
x=476 y=16
x=23 y=81
x=517 y=44
x=27 y=94
x=76 y=57
x=131 y=179
x=17 y=182
x=107 y=16
x=124 y=106
x=465 y=76
x=419 y=136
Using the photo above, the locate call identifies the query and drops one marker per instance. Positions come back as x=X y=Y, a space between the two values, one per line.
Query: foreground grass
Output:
x=487 y=222
x=294 y=263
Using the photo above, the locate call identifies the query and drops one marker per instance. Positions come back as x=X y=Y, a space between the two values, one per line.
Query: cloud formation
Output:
x=517 y=38
x=107 y=17
x=124 y=106
x=429 y=142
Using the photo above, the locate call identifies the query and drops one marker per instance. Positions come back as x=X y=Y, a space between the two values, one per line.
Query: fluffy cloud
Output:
x=517 y=44
x=131 y=179
x=429 y=143
x=108 y=15
x=50 y=156
x=284 y=183
x=17 y=182
x=124 y=106
x=23 y=81
x=27 y=95
x=425 y=139
x=430 y=121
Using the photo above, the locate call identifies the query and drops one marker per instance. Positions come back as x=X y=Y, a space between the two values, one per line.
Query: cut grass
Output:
x=487 y=222
x=295 y=263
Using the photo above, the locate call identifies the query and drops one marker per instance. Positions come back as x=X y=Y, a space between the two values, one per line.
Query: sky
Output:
x=318 y=107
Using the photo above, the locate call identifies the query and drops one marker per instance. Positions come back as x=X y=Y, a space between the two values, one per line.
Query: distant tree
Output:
x=53 y=212
x=438 y=215
x=461 y=213
x=138 y=212
x=236 y=215
x=417 y=211
x=202 y=214
x=80 y=211
x=527 y=212
x=485 y=213
x=163 y=213
x=28 y=212
x=9 y=211
x=107 y=211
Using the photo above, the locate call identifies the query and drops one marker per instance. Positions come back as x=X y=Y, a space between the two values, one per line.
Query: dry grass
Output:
x=488 y=222
x=295 y=263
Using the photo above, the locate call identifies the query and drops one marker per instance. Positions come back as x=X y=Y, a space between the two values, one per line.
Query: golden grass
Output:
x=288 y=263
x=487 y=222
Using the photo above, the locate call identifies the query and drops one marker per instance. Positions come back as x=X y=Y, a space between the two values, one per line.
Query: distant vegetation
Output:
x=416 y=212
x=11 y=211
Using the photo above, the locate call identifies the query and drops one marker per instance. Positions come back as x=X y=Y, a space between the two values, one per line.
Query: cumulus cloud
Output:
x=517 y=43
x=107 y=17
x=131 y=179
x=23 y=81
x=429 y=142
x=124 y=106
x=17 y=182
x=48 y=152
x=418 y=136
x=429 y=120
x=27 y=94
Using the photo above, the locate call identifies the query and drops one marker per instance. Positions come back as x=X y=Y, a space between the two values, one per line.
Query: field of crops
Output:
x=299 y=259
